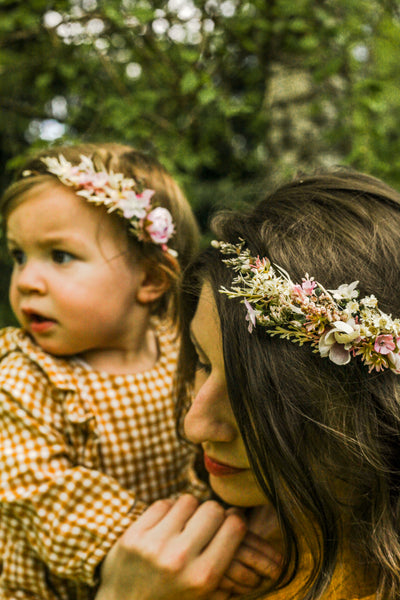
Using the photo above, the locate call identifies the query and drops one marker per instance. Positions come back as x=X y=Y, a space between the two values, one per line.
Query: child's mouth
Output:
x=38 y=323
x=34 y=317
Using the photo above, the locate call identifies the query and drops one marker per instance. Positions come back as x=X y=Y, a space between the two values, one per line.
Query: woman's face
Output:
x=210 y=420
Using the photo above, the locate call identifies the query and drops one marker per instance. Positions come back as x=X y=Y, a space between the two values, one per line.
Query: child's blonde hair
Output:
x=143 y=168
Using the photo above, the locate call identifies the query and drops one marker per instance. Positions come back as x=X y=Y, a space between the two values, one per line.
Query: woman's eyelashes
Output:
x=202 y=365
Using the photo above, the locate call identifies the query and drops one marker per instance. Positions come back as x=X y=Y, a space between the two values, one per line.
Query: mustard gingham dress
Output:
x=81 y=454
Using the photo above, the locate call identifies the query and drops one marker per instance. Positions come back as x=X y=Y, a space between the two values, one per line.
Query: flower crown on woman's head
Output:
x=334 y=322
x=118 y=194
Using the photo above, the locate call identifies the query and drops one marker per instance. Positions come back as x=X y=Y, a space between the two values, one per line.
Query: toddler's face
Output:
x=72 y=287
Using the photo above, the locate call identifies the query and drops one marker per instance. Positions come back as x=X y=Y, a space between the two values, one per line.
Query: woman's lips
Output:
x=219 y=469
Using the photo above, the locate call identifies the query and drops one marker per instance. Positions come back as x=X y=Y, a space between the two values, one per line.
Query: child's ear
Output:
x=154 y=284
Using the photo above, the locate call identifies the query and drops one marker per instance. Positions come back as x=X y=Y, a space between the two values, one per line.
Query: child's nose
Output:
x=30 y=279
x=210 y=416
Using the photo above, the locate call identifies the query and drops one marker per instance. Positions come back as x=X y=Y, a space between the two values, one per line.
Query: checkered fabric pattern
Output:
x=81 y=453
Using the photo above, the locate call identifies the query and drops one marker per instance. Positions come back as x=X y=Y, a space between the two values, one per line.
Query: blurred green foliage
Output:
x=231 y=95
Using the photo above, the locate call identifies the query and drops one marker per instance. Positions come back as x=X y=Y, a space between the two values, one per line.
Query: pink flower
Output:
x=160 y=227
x=308 y=286
x=93 y=181
x=251 y=315
x=260 y=263
x=298 y=291
x=384 y=344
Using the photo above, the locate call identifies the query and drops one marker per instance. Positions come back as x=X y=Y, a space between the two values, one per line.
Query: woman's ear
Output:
x=155 y=283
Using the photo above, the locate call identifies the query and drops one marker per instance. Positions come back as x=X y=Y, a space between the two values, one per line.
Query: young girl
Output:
x=97 y=235
x=292 y=344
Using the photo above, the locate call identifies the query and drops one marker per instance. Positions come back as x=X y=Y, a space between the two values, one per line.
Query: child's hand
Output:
x=257 y=562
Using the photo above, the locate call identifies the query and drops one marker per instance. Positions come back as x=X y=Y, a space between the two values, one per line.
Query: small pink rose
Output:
x=160 y=225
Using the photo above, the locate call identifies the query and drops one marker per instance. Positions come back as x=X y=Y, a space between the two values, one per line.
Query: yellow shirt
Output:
x=351 y=581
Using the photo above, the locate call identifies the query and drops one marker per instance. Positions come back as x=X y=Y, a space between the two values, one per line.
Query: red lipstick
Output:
x=219 y=469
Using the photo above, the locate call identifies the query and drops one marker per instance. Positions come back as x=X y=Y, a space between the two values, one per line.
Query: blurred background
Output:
x=232 y=96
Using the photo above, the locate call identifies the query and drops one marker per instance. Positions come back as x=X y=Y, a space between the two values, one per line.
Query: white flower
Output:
x=133 y=205
x=369 y=301
x=336 y=341
x=381 y=321
x=351 y=307
x=345 y=291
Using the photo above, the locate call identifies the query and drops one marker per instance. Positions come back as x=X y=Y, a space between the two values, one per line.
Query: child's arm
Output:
x=54 y=511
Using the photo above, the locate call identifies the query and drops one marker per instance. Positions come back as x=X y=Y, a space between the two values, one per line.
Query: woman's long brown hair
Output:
x=323 y=439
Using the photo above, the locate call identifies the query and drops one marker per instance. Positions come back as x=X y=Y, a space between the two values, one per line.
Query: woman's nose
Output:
x=30 y=279
x=210 y=416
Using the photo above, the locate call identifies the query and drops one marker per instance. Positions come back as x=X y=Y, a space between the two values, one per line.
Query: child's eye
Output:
x=61 y=257
x=17 y=256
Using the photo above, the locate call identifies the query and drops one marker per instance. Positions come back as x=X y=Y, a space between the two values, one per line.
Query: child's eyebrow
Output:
x=52 y=239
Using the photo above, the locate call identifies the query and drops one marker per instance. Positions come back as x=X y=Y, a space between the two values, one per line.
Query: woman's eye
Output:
x=17 y=256
x=61 y=257
x=203 y=366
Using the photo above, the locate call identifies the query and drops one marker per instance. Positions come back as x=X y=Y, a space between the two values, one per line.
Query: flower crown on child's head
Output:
x=334 y=322
x=118 y=194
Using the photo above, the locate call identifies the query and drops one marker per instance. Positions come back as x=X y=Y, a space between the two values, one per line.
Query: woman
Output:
x=294 y=357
